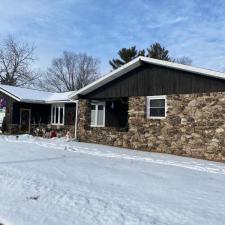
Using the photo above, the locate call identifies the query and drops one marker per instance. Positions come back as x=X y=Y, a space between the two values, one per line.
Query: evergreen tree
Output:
x=125 y=56
x=157 y=51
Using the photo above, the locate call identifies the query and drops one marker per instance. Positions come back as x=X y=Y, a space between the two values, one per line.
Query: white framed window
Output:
x=156 y=107
x=58 y=114
x=97 y=114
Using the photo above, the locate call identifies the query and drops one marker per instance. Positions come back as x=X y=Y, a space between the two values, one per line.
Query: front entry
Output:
x=25 y=115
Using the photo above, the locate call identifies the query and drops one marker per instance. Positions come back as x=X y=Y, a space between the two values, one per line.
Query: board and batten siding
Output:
x=42 y=112
x=39 y=112
x=157 y=80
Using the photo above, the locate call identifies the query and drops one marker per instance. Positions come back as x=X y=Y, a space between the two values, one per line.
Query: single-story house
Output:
x=147 y=104
x=154 y=105
x=26 y=109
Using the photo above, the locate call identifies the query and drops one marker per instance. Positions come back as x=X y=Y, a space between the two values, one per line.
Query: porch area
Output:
x=40 y=119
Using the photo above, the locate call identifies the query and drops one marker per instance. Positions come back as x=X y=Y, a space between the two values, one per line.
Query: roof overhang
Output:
x=17 y=98
x=58 y=102
x=10 y=94
x=136 y=63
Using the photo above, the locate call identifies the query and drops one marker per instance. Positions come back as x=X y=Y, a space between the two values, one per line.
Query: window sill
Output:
x=156 y=118
x=97 y=126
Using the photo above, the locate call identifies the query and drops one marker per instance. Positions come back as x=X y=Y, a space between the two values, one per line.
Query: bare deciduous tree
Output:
x=15 y=61
x=70 y=72
x=183 y=60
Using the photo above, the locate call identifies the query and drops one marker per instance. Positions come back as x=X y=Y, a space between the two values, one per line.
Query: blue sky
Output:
x=193 y=28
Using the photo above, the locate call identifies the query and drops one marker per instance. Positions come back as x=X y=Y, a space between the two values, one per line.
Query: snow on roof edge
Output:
x=34 y=96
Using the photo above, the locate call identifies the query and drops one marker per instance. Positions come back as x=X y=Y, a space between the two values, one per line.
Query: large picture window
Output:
x=98 y=114
x=57 y=115
x=156 y=107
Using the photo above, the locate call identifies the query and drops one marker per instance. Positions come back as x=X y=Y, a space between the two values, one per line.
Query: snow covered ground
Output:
x=55 y=182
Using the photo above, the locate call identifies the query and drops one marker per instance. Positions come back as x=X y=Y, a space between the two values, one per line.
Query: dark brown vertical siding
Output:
x=157 y=80
x=70 y=112
x=38 y=111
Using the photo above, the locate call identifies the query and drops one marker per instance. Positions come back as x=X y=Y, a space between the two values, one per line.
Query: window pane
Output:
x=100 y=107
x=61 y=115
x=157 y=102
x=53 y=114
x=93 y=107
x=56 y=115
x=157 y=112
x=93 y=114
x=100 y=115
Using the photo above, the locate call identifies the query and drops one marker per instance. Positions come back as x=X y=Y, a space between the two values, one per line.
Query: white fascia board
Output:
x=10 y=95
x=183 y=67
x=107 y=78
x=44 y=102
x=62 y=101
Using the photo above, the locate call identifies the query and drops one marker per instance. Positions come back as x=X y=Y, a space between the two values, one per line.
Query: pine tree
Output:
x=125 y=56
x=157 y=51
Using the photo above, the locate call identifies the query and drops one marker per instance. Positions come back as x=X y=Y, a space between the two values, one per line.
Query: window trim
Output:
x=148 y=106
x=53 y=117
x=96 y=114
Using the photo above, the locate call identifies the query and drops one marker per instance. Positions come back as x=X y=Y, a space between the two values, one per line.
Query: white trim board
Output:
x=148 y=98
x=136 y=63
x=9 y=94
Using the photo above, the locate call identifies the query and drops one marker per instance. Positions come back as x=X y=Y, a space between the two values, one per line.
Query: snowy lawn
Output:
x=54 y=182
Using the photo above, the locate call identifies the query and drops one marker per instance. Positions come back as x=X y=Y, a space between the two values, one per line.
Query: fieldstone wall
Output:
x=194 y=126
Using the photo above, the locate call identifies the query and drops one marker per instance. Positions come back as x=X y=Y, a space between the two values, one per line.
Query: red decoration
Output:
x=53 y=134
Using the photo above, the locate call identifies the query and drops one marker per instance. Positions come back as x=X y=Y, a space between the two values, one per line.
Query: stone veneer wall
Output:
x=194 y=126
x=65 y=128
